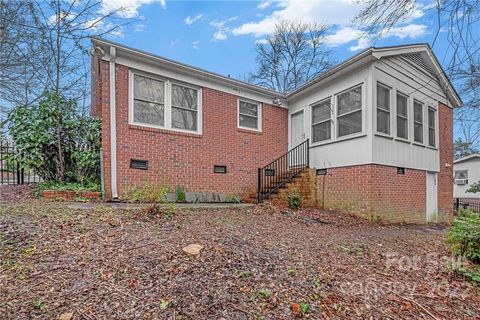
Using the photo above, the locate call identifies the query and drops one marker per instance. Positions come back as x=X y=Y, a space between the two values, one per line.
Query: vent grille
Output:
x=416 y=59
x=139 y=164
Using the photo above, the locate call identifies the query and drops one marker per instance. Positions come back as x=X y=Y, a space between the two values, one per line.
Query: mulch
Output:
x=14 y=193
x=258 y=263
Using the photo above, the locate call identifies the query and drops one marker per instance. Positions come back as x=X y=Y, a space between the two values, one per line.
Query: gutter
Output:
x=113 y=125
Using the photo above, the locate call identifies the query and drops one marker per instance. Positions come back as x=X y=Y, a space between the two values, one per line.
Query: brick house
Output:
x=372 y=136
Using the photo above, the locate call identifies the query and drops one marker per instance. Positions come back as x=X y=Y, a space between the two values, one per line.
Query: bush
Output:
x=464 y=235
x=56 y=141
x=294 y=199
x=62 y=186
x=180 y=194
x=148 y=193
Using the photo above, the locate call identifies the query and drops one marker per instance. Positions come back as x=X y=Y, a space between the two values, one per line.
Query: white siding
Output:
x=402 y=75
x=347 y=150
x=473 y=168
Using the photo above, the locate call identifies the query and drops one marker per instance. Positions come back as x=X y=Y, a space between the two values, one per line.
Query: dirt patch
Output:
x=257 y=263
x=14 y=194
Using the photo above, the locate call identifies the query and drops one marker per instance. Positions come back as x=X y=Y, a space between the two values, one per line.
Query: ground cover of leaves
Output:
x=258 y=263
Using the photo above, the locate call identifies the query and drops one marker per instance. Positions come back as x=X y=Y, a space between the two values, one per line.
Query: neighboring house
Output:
x=466 y=172
x=379 y=128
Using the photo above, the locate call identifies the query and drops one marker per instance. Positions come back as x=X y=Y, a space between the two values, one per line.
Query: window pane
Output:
x=418 y=111
x=402 y=128
x=461 y=174
x=431 y=137
x=248 y=122
x=248 y=108
x=148 y=89
x=431 y=118
x=383 y=97
x=184 y=119
x=383 y=121
x=418 y=133
x=321 y=111
x=349 y=124
x=321 y=131
x=148 y=112
x=402 y=105
x=184 y=97
x=350 y=100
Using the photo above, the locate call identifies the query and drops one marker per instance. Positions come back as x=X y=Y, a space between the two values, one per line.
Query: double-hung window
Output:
x=431 y=127
x=383 y=109
x=402 y=116
x=184 y=107
x=349 y=111
x=417 y=121
x=249 y=115
x=148 y=101
x=321 y=121
x=165 y=104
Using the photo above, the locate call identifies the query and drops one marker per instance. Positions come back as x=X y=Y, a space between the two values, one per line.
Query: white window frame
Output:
x=361 y=110
x=377 y=108
x=259 y=114
x=329 y=119
x=414 y=121
x=167 y=102
x=397 y=93
x=435 y=126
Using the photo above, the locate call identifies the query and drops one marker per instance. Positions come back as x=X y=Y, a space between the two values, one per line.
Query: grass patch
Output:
x=65 y=186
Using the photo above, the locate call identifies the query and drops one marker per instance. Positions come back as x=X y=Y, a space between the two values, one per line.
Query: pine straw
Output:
x=113 y=264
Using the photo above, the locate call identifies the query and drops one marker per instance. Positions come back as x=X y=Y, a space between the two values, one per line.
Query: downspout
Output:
x=113 y=125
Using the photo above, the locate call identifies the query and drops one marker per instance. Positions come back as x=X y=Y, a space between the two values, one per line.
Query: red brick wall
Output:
x=445 y=176
x=96 y=103
x=375 y=191
x=187 y=160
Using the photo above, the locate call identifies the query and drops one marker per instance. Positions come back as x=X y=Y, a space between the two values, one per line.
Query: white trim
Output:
x=466 y=158
x=167 y=103
x=113 y=125
x=259 y=114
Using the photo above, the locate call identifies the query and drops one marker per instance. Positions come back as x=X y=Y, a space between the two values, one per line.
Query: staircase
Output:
x=278 y=173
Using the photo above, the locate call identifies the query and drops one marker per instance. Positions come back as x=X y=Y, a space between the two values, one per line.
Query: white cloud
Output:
x=195 y=44
x=222 y=29
x=191 y=20
x=336 y=13
x=261 y=41
x=264 y=4
x=127 y=8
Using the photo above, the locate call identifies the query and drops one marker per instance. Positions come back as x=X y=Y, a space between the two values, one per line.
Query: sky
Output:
x=221 y=36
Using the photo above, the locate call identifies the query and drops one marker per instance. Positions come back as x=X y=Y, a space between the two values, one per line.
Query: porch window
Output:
x=383 y=109
x=418 y=121
x=402 y=116
x=184 y=107
x=349 y=111
x=431 y=127
x=321 y=121
x=461 y=177
x=148 y=101
x=249 y=115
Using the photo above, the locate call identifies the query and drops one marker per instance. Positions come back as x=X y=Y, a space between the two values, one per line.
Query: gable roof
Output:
x=467 y=158
x=371 y=54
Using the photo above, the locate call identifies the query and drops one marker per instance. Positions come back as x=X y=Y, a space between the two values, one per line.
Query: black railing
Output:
x=472 y=204
x=282 y=170
x=10 y=170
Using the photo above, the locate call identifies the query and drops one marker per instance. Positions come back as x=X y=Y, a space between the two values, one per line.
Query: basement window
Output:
x=139 y=164
x=321 y=172
x=220 y=169
x=400 y=170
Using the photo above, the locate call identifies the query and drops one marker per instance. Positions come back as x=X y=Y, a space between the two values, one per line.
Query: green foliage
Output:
x=38 y=304
x=245 y=274
x=62 y=186
x=304 y=307
x=464 y=235
x=164 y=304
x=171 y=210
x=234 y=198
x=38 y=130
x=291 y=272
x=180 y=194
x=294 y=199
x=474 y=187
x=148 y=193
x=263 y=293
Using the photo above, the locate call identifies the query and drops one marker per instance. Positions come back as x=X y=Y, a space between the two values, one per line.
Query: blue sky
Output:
x=220 y=36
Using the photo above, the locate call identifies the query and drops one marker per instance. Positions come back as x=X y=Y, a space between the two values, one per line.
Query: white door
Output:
x=297 y=129
x=432 y=201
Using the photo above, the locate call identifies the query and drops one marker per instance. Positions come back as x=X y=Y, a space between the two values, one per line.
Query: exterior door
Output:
x=432 y=199
x=297 y=129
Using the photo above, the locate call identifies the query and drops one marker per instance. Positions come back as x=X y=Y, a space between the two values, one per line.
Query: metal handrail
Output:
x=282 y=170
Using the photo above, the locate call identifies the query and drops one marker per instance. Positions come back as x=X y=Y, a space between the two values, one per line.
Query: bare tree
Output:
x=457 y=22
x=291 y=56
